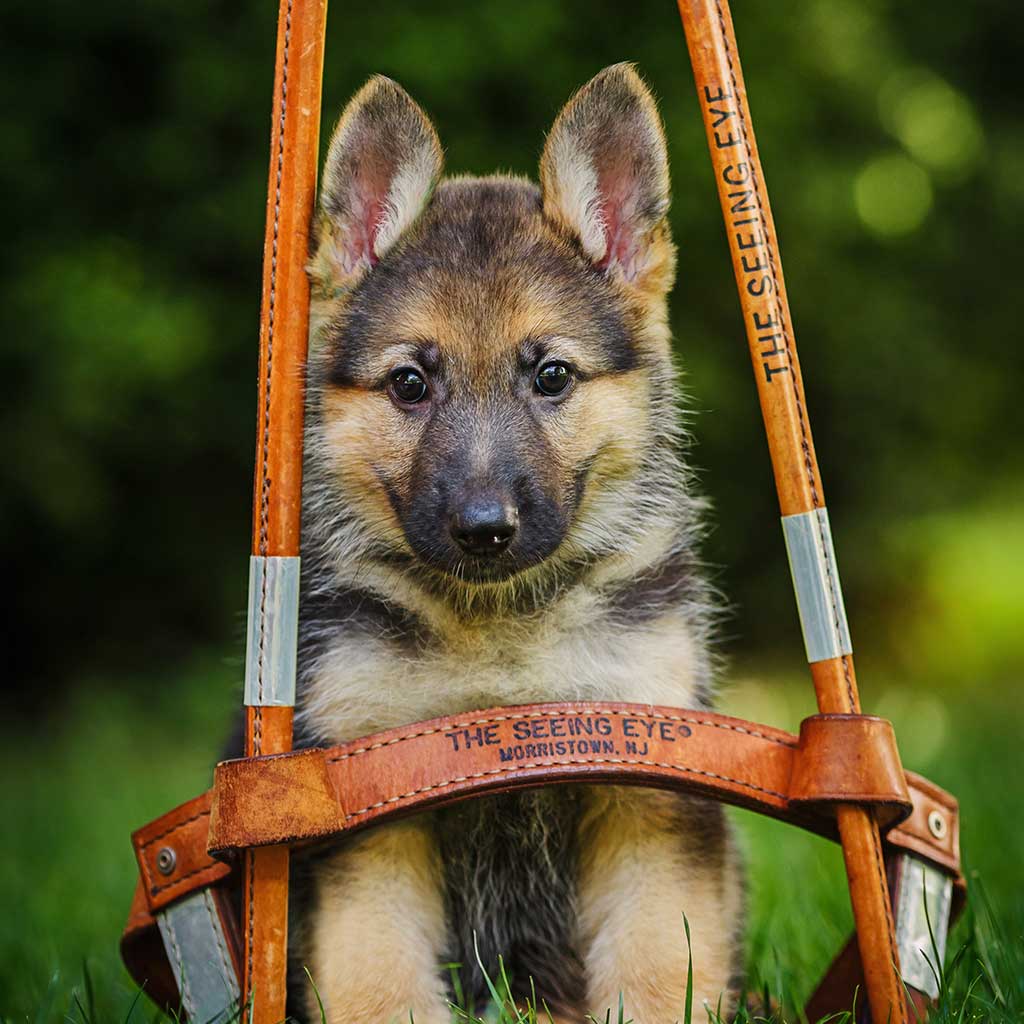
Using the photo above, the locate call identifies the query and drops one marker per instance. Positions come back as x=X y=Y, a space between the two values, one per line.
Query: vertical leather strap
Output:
x=277 y=496
x=762 y=291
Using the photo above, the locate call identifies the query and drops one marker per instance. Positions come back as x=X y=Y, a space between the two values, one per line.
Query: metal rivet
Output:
x=166 y=859
x=937 y=824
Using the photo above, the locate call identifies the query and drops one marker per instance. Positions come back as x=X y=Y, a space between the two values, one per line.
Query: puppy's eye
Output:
x=407 y=386
x=552 y=379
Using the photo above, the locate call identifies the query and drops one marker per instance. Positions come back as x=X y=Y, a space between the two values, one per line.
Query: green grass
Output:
x=983 y=981
x=118 y=756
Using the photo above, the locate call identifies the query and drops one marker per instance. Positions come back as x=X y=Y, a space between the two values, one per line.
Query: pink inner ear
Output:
x=373 y=216
x=617 y=188
x=370 y=193
x=366 y=199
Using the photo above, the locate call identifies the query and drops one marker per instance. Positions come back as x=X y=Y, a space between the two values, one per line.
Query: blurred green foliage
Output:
x=133 y=176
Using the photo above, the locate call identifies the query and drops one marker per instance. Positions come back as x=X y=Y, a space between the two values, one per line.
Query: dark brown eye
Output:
x=408 y=386
x=552 y=379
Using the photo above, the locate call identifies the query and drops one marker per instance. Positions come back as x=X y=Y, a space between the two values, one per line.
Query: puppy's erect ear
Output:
x=604 y=173
x=382 y=165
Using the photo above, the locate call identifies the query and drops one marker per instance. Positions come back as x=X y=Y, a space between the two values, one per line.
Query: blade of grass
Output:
x=316 y=992
x=688 y=1011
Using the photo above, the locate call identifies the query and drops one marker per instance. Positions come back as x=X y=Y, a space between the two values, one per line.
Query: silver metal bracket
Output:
x=924 y=897
x=819 y=597
x=195 y=944
x=273 y=631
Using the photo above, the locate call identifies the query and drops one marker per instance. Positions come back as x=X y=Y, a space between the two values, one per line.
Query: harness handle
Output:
x=753 y=245
x=273 y=591
x=277 y=494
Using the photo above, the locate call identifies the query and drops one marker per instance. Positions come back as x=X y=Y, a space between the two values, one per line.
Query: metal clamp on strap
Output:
x=273 y=629
x=197 y=949
x=819 y=597
x=922 y=904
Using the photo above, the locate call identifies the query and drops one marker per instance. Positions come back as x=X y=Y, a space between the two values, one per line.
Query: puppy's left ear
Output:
x=604 y=175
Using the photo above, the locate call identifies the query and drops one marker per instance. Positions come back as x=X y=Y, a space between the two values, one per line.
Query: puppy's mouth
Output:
x=486 y=571
x=453 y=566
x=482 y=571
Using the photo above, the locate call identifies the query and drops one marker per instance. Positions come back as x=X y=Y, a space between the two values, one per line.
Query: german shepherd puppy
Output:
x=496 y=512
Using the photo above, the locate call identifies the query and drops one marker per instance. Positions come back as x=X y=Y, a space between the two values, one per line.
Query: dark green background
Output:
x=134 y=167
x=133 y=157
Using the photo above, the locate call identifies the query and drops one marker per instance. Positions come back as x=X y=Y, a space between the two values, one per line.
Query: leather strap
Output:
x=171 y=854
x=144 y=952
x=318 y=794
x=295 y=797
x=757 y=266
x=849 y=759
x=314 y=795
x=277 y=489
x=918 y=835
x=844 y=978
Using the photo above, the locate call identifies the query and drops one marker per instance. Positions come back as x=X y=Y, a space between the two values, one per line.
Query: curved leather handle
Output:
x=316 y=794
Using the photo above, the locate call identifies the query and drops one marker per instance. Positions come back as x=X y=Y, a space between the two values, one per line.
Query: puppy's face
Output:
x=484 y=352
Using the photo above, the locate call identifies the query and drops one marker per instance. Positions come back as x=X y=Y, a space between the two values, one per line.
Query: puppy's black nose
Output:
x=484 y=526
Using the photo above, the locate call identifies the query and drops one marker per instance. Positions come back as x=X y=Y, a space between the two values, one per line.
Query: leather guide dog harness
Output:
x=317 y=795
x=208 y=925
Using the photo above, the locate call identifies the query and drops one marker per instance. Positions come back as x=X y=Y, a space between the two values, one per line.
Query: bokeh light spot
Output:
x=935 y=123
x=893 y=196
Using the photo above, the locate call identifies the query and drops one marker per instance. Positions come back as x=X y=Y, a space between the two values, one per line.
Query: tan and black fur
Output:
x=581 y=583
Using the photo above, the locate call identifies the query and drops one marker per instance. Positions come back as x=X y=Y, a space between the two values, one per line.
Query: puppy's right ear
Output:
x=382 y=166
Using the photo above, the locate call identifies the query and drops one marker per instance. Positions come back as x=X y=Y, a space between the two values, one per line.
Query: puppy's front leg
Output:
x=646 y=858
x=377 y=930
